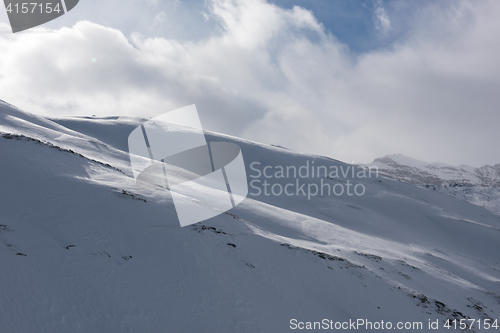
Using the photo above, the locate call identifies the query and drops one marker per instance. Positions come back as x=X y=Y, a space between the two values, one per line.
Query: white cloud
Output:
x=277 y=76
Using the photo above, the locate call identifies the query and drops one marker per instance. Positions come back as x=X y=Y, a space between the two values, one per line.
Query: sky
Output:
x=352 y=80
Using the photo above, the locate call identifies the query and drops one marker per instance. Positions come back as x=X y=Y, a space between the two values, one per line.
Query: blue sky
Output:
x=351 y=22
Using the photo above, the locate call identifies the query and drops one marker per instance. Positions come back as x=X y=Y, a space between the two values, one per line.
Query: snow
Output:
x=405 y=160
x=479 y=186
x=101 y=254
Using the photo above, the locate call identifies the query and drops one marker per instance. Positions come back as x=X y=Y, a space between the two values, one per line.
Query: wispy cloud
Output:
x=381 y=18
x=159 y=18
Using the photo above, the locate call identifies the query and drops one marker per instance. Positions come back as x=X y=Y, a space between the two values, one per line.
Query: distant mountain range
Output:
x=480 y=186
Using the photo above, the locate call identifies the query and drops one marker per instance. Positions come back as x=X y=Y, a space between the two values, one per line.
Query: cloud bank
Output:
x=277 y=76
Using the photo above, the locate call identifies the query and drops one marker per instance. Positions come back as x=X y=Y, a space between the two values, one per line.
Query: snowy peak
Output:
x=399 y=159
x=418 y=172
x=479 y=186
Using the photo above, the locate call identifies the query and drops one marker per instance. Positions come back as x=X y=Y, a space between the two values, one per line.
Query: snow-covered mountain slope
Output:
x=419 y=172
x=479 y=186
x=83 y=249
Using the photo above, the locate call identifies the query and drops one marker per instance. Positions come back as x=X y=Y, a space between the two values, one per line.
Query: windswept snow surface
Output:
x=83 y=249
